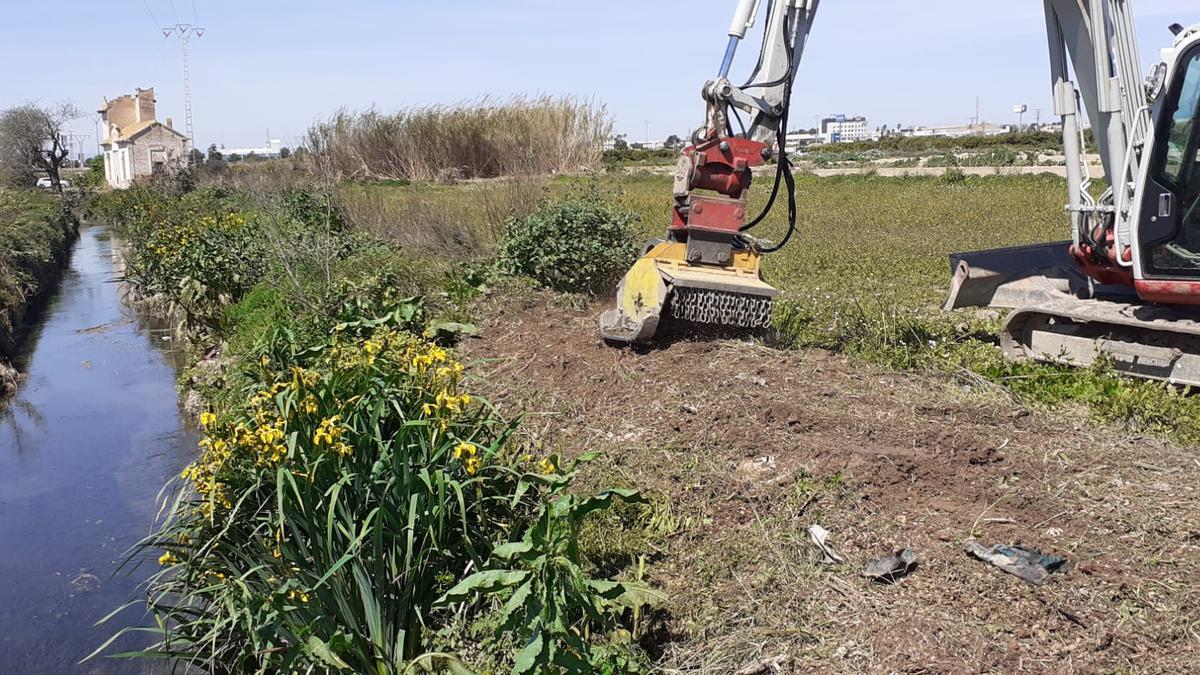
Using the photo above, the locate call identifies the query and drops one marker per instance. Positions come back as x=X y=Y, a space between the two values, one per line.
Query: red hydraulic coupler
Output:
x=710 y=220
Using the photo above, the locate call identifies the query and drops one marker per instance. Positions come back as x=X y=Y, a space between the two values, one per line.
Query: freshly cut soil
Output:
x=745 y=446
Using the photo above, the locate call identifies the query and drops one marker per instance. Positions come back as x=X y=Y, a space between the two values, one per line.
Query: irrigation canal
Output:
x=85 y=446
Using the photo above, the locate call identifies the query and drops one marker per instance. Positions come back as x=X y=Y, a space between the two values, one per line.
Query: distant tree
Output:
x=301 y=152
x=93 y=178
x=673 y=141
x=196 y=156
x=284 y=153
x=619 y=143
x=33 y=138
x=234 y=158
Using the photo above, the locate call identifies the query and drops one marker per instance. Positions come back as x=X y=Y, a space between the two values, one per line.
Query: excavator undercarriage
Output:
x=1060 y=315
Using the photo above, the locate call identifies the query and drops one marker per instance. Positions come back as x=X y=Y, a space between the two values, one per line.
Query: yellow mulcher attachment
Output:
x=663 y=282
x=706 y=271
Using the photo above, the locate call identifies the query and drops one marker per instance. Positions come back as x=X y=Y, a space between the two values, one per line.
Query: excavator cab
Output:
x=1169 y=223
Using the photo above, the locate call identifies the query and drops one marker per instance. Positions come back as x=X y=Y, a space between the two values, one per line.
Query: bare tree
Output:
x=33 y=137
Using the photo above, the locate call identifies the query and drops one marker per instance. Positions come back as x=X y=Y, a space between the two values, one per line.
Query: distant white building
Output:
x=271 y=149
x=960 y=130
x=795 y=141
x=843 y=129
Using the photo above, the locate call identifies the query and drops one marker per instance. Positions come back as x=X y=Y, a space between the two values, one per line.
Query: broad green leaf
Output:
x=511 y=550
x=321 y=650
x=530 y=655
x=488 y=581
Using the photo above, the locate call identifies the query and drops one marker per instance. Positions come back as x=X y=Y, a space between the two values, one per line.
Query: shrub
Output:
x=550 y=603
x=204 y=250
x=580 y=243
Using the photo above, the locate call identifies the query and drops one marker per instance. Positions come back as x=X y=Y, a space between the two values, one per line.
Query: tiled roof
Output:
x=129 y=132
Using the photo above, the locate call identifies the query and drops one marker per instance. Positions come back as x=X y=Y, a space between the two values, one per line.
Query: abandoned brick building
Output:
x=135 y=143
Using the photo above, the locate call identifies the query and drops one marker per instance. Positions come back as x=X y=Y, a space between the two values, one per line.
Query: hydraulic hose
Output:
x=783 y=169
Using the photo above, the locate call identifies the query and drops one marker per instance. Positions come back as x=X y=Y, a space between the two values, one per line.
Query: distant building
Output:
x=843 y=129
x=795 y=141
x=136 y=144
x=959 y=130
x=271 y=149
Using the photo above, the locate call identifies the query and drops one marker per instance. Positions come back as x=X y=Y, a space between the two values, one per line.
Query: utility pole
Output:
x=185 y=32
x=647 y=131
x=96 y=120
x=76 y=141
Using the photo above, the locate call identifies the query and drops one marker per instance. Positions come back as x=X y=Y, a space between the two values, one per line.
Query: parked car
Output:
x=46 y=184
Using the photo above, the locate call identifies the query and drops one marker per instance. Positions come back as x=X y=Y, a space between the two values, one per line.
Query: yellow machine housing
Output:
x=734 y=294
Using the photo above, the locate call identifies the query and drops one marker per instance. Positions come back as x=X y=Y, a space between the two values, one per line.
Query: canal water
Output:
x=89 y=440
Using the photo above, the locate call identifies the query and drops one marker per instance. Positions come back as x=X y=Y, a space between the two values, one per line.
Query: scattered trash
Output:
x=774 y=664
x=1031 y=566
x=757 y=468
x=818 y=535
x=889 y=570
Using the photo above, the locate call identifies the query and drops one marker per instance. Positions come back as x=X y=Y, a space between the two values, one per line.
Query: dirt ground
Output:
x=744 y=447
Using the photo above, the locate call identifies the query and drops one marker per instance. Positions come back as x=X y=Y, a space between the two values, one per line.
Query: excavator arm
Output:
x=706 y=269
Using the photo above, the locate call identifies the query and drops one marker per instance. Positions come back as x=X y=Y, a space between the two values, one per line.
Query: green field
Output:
x=865 y=275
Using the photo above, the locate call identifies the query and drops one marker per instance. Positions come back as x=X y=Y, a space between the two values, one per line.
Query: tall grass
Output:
x=481 y=139
x=469 y=224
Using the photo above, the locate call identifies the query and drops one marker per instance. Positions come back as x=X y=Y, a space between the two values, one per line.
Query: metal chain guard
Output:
x=701 y=305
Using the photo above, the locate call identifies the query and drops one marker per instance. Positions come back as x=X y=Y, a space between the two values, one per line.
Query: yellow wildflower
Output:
x=472 y=465
x=309 y=404
x=167 y=558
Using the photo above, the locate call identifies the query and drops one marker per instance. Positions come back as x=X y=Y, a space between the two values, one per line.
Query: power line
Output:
x=173 y=12
x=146 y=4
x=195 y=16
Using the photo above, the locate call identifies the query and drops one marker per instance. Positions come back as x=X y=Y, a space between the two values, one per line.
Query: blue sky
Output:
x=280 y=64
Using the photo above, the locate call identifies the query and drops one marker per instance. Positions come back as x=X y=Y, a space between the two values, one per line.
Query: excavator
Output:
x=1125 y=287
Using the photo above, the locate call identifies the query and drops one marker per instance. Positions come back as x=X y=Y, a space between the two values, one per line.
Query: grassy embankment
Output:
x=867 y=274
x=36 y=232
x=355 y=507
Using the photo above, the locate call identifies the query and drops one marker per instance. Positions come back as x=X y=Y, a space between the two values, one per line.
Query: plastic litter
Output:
x=891 y=569
x=818 y=535
x=1031 y=566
